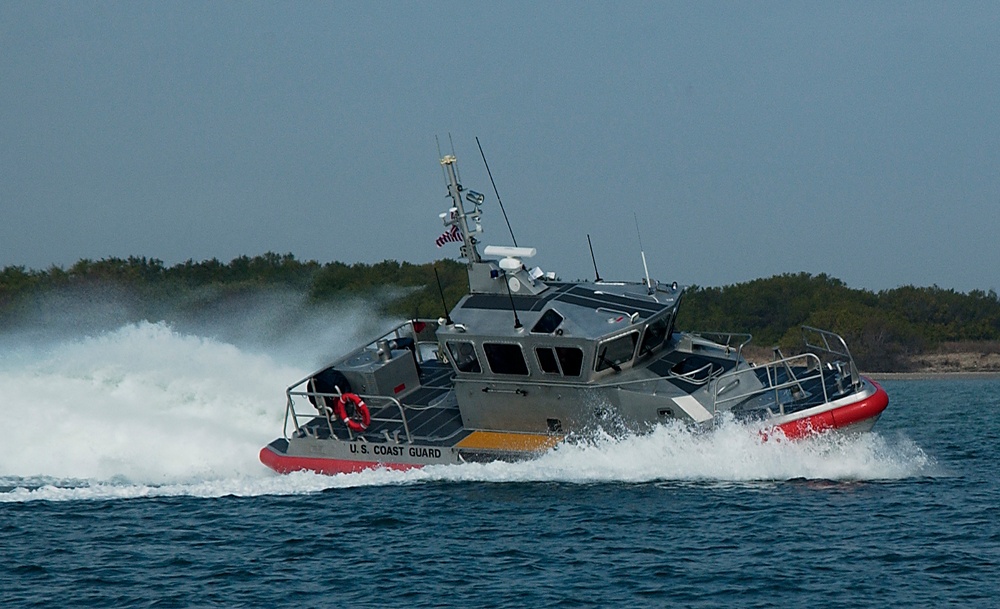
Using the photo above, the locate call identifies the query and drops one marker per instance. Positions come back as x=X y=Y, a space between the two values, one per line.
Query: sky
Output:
x=746 y=139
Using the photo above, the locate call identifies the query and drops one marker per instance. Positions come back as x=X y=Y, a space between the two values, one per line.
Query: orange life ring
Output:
x=340 y=409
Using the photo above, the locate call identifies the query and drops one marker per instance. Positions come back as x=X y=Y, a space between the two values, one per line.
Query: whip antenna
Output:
x=517 y=322
x=649 y=285
x=457 y=173
x=444 y=174
x=444 y=303
x=596 y=273
x=496 y=191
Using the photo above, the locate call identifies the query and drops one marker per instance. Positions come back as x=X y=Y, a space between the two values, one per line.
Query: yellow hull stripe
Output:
x=493 y=440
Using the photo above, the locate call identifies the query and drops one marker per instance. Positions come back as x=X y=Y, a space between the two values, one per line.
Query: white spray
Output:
x=147 y=410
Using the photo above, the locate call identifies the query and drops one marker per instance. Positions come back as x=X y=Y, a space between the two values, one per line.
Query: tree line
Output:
x=883 y=328
x=408 y=290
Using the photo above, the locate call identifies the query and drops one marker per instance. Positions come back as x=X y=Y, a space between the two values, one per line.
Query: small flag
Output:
x=449 y=236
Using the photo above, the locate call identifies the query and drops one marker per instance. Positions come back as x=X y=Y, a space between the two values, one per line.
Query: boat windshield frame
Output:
x=617 y=360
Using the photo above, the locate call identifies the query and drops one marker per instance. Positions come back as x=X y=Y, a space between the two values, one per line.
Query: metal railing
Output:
x=406 y=330
x=771 y=383
x=375 y=403
x=726 y=340
x=824 y=353
x=403 y=330
x=835 y=346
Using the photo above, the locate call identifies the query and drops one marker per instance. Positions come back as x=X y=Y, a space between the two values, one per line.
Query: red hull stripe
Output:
x=844 y=416
x=284 y=464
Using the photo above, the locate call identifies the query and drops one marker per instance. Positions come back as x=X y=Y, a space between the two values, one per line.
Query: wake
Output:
x=148 y=411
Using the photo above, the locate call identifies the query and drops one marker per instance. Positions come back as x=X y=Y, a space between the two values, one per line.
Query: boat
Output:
x=526 y=361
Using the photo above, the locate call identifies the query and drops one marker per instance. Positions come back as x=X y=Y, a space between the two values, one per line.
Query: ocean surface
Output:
x=129 y=478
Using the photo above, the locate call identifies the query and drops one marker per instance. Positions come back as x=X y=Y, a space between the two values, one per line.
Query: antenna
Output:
x=444 y=303
x=517 y=322
x=649 y=285
x=444 y=173
x=496 y=191
x=458 y=174
x=596 y=273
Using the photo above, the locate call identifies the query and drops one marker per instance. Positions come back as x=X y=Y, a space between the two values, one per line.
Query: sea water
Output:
x=129 y=478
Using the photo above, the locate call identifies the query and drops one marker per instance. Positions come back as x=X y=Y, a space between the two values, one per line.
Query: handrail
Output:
x=399 y=331
x=826 y=336
x=631 y=316
x=691 y=377
x=716 y=337
x=772 y=382
x=325 y=410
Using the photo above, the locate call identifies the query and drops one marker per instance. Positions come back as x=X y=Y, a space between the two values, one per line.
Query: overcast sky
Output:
x=861 y=140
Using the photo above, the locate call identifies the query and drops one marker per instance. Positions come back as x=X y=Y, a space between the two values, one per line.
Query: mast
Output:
x=489 y=276
x=458 y=216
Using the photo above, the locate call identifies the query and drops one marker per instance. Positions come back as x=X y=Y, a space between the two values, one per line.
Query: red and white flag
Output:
x=449 y=236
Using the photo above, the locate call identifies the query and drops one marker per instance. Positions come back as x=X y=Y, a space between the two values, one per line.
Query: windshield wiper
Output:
x=601 y=358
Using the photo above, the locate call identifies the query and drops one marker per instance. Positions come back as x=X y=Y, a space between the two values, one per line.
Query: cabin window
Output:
x=567 y=361
x=548 y=322
x=505 y=358
x=464 y=356
x=547 y=360
x=655 y=333
x=571 y=360
x=617 y=351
